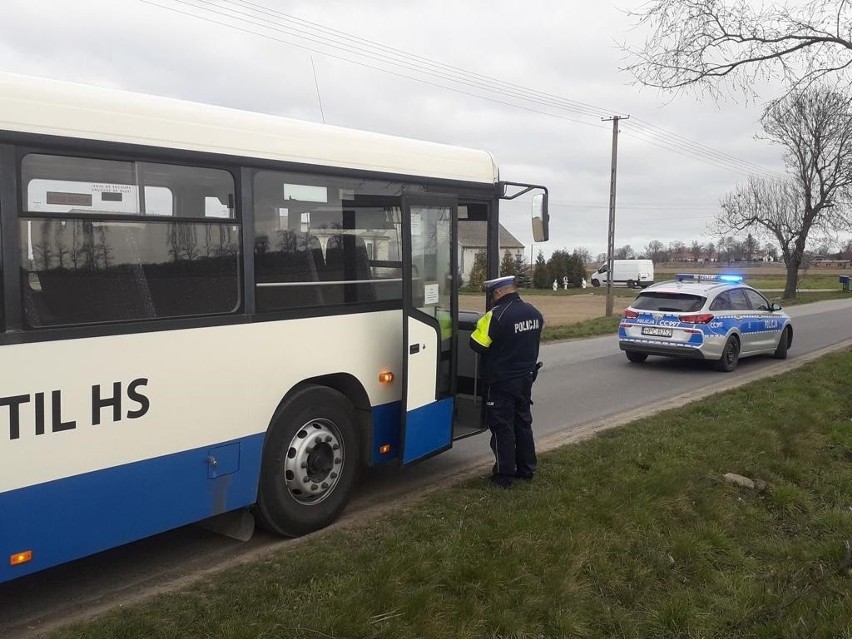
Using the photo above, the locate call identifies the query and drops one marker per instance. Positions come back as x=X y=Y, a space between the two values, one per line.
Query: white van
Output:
x=630 y=273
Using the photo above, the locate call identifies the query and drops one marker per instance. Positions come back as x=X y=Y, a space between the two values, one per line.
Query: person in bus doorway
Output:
x=507 y=338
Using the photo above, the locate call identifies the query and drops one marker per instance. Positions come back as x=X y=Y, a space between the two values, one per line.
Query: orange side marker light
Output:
x=386 y=377
x=21 y=558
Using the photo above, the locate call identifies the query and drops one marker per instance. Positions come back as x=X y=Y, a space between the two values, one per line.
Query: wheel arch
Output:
x=347 y=385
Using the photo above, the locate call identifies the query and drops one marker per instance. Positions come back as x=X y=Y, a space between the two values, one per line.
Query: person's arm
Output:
x=480 y=340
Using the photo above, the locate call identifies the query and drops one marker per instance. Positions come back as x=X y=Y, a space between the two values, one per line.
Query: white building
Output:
x=472 y=241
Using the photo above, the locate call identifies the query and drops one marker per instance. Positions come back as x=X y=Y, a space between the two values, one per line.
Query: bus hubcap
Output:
x=314 y=461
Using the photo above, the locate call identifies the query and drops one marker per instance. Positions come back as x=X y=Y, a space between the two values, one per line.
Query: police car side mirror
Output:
x=774 y=307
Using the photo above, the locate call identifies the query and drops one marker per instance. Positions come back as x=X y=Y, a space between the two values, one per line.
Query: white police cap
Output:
x=498 y=282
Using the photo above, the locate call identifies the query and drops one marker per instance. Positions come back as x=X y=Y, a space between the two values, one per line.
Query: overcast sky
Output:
x=532 y=82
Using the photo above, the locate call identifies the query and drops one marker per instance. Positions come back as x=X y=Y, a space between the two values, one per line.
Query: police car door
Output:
x=745 y=319
x=430 y=318
x=766 y=329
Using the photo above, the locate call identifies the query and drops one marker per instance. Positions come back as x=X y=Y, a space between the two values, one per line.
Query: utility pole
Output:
x=610 y=246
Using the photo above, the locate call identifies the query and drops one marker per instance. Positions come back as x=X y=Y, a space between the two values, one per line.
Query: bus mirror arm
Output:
x=540 y=213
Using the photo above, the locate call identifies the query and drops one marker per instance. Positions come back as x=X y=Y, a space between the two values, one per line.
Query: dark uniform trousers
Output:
x=510 y=420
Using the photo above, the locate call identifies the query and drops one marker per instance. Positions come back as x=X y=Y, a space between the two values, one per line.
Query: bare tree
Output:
x=182 y=242
x=774 y=208
x=750 y=247
x=584 y=254
x=655 y=250
x=706 y=43
x=770 y=251
x=624 y=253
x=696 y=250
x=815 y=129
x=677 y=250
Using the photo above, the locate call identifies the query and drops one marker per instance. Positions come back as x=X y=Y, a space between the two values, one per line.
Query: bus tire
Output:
x=310 y=463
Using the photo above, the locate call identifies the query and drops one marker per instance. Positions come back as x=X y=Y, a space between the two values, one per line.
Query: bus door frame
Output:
x=426 y=421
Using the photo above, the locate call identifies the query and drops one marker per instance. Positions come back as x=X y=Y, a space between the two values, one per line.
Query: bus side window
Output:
x=83 y=264
x=287 y=258
x=344 y=232
x=2 y=294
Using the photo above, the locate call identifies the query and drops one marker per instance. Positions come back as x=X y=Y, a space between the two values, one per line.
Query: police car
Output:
x=712 y=317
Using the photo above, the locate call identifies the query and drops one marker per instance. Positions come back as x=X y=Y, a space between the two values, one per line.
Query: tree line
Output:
x=577 y=264
x=561 y=264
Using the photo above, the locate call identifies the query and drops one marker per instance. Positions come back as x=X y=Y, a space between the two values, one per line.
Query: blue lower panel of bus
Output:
x=386 y=432
x=78 y=516
x=428 y=430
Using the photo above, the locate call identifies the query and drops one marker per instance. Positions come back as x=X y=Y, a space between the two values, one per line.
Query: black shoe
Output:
x=499 y=482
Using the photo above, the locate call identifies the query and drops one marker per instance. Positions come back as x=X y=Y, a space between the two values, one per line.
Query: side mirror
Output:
x=774 y=307
x=540 y=218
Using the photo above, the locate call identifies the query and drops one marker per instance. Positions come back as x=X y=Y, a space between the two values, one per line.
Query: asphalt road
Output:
x=586 y=386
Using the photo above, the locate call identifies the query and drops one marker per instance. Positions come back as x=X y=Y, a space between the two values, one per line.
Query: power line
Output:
x=343 y=46
x=363 y=64
x=460 y=73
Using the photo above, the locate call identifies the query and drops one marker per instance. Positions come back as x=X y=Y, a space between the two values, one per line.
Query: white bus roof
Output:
x=51 y=107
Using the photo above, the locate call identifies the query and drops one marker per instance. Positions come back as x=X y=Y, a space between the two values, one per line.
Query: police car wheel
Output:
x=636 y=357
x=783 y=345
x=310 y=462
x=730 y=355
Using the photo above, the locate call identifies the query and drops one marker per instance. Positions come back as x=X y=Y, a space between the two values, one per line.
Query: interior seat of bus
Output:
x=295 y=259
x=70 y=296
x=112 y=280
x=346 y=259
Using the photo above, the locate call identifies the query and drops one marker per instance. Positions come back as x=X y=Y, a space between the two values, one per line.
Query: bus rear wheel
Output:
x=310 y=463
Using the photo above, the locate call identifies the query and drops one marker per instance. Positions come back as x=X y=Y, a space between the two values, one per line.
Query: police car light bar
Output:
x=705 y=277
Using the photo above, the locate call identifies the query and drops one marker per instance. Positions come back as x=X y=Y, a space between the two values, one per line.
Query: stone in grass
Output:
x=745 y=482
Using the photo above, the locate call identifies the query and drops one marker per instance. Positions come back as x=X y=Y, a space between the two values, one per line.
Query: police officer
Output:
x=507 y=337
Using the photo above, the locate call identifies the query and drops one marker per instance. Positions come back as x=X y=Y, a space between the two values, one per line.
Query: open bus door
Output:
x=430 y=319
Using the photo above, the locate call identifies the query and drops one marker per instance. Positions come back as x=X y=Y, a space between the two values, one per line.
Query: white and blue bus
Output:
x=207 y=311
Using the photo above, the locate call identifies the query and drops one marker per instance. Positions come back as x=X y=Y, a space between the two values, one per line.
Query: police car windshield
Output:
x=672 y=302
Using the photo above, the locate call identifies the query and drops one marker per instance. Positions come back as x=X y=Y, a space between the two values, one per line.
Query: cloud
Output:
x=536 y=56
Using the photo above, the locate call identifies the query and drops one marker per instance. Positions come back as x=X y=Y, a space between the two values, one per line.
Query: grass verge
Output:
x=631 y=534
x=586 y=328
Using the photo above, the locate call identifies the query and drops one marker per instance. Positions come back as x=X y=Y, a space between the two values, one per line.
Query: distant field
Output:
x=764 y=276
x=740 y=267
x=558 y=309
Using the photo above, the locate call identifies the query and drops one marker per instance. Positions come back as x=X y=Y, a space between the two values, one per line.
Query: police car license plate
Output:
x=656 y=331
